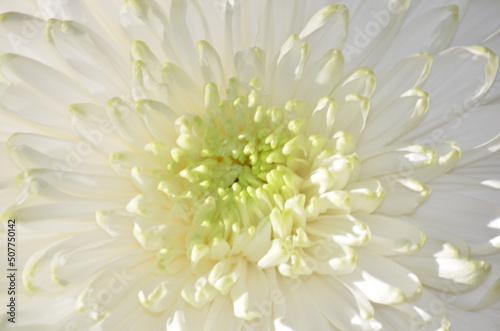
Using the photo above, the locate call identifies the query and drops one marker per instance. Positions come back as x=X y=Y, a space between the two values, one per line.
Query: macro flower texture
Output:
x=250 y=165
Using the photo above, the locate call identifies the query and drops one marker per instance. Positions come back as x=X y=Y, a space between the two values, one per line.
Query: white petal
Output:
x=210 y=63
x=352 y=115
x=37 y=113
x=250 y=295
x=181 y=37
x=356 y=312
x=472 y=27
x=103 y=72
x=39 y=151
x=184 y=94
x=72 y=265
x=127 y=122
x=369 y=40
x=301 y=316
x=115 y=223
x=37 y=272
x=321 y=77
x=431 y=32
x=361 y=82
x=403 y=196
x=160 y=119
x=25 y=35
x=458 y=210
x=408 y=74
x=397 y=118
x=453 y=105
x=100 y=17
x=289 y=68
x=29 y=6
x=283 y=13
x=390 y=236
x=186 y=317
x=382 y=280
x=466 y=320
x=343 y=230
x=465 y=185
x=145 y=21
x=220 y=316
x=163 y=296
x=90 y=122
x=250 y=64
x=20 y=70
x=67 y=186
x=331 y=24
x=446 y=274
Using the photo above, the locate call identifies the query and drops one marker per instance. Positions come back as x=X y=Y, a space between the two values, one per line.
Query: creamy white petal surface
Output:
x=251 y=165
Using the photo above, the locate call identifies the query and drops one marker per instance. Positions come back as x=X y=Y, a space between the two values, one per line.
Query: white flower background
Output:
x=251 y=165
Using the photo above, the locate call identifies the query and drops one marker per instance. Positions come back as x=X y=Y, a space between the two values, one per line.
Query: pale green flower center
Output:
x=241 y=182
x=240 y=164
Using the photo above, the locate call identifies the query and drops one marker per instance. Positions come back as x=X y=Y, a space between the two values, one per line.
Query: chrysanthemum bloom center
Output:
x=240 y=184
x=242 y=164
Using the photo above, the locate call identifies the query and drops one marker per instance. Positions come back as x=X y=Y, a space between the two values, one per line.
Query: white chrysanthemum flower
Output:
x=251 y=165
